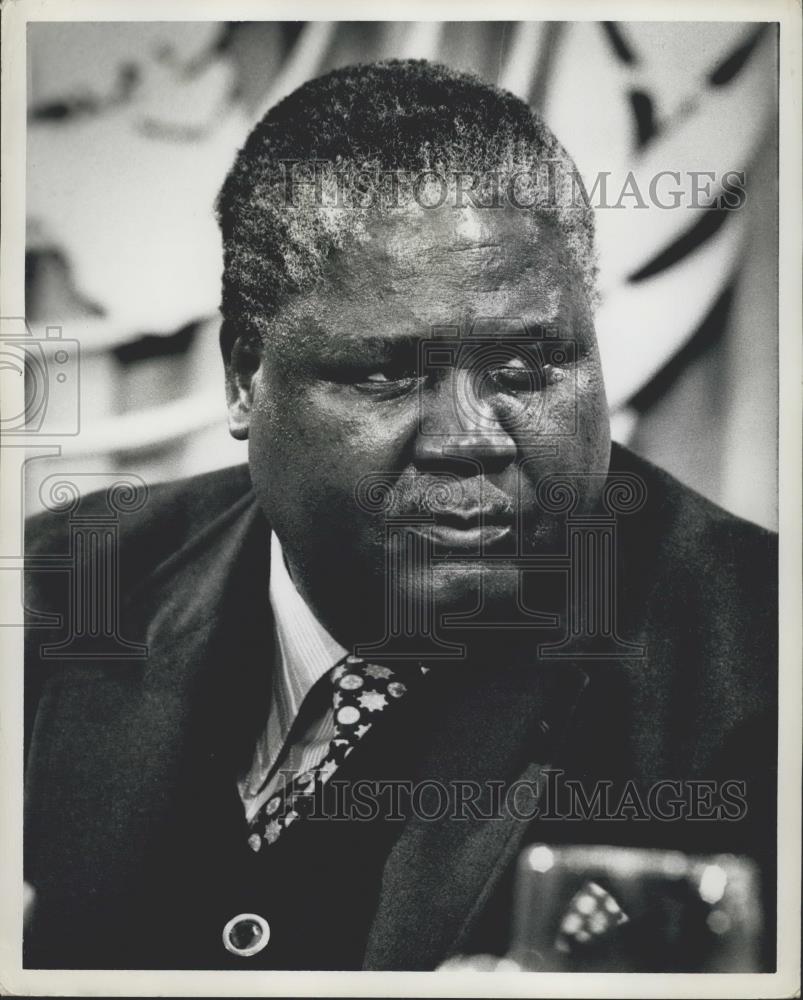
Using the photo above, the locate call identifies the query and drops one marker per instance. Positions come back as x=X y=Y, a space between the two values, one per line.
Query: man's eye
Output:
x=520 y=377
x=386 y=383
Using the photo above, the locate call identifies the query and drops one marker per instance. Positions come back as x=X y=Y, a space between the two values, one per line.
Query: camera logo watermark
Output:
x=532 y=368
x=41 y=406
x=49 y=368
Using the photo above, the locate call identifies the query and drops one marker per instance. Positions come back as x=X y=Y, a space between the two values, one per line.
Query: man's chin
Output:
x=474 y=589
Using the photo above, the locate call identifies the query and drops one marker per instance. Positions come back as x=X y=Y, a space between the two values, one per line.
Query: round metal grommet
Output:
x=246 y=934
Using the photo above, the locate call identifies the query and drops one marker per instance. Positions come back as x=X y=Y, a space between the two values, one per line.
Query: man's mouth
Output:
x=476 y=530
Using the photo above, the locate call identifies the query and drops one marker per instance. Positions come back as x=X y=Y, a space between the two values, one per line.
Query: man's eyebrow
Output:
x=369 y=343
x=503 y=328
x=408 y=337
x=487 y=328
x=401 y=340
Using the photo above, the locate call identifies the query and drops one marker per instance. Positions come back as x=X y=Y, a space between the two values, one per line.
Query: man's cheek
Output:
x=312 y=419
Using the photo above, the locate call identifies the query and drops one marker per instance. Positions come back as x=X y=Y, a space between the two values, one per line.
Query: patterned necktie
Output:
x=362 y=692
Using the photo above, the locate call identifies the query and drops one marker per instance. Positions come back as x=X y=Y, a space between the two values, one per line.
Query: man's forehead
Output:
x=424 y=268
x=404 y=235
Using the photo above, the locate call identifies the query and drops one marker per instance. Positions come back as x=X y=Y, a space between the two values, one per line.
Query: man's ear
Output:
x=242 y=368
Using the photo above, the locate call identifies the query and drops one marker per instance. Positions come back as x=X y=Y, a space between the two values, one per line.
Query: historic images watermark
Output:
x=549 y=797
x=548 y=184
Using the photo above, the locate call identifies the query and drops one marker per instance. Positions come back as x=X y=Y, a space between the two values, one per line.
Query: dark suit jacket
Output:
x=134 y=836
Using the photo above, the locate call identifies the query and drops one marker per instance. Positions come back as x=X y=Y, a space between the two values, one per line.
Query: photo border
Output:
x=785 y=981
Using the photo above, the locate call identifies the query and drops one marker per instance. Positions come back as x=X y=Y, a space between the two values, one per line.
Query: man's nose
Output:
x=459 y=419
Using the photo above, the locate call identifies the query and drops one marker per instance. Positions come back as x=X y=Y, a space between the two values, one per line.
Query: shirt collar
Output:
x=306 y=650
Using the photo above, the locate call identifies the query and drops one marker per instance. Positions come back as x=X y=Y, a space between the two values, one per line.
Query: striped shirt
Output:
x=299 y=729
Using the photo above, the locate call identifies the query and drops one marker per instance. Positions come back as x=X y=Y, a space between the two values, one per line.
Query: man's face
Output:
x=445 y=348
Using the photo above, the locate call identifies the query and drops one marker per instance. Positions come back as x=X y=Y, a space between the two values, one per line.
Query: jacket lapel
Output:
x=210 y=634
x=128 y=743
x=487 y=730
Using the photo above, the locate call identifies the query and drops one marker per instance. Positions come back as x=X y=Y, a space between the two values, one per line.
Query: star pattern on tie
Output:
x=362 y=692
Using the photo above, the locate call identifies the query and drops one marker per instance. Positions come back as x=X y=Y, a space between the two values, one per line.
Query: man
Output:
x=435 y=582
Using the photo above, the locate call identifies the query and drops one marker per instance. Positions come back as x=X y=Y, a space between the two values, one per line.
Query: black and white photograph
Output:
x=399 y=420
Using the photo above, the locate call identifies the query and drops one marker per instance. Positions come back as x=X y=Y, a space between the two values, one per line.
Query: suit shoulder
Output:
x=692 y=529
x=153 y=520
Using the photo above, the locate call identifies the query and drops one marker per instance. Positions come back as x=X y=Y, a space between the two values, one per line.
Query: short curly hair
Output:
x=398 y=118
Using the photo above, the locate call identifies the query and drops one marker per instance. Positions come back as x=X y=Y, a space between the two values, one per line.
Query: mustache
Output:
x=414 y=494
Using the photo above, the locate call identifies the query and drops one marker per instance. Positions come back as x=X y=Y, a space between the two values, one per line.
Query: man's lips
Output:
x=470 y=529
